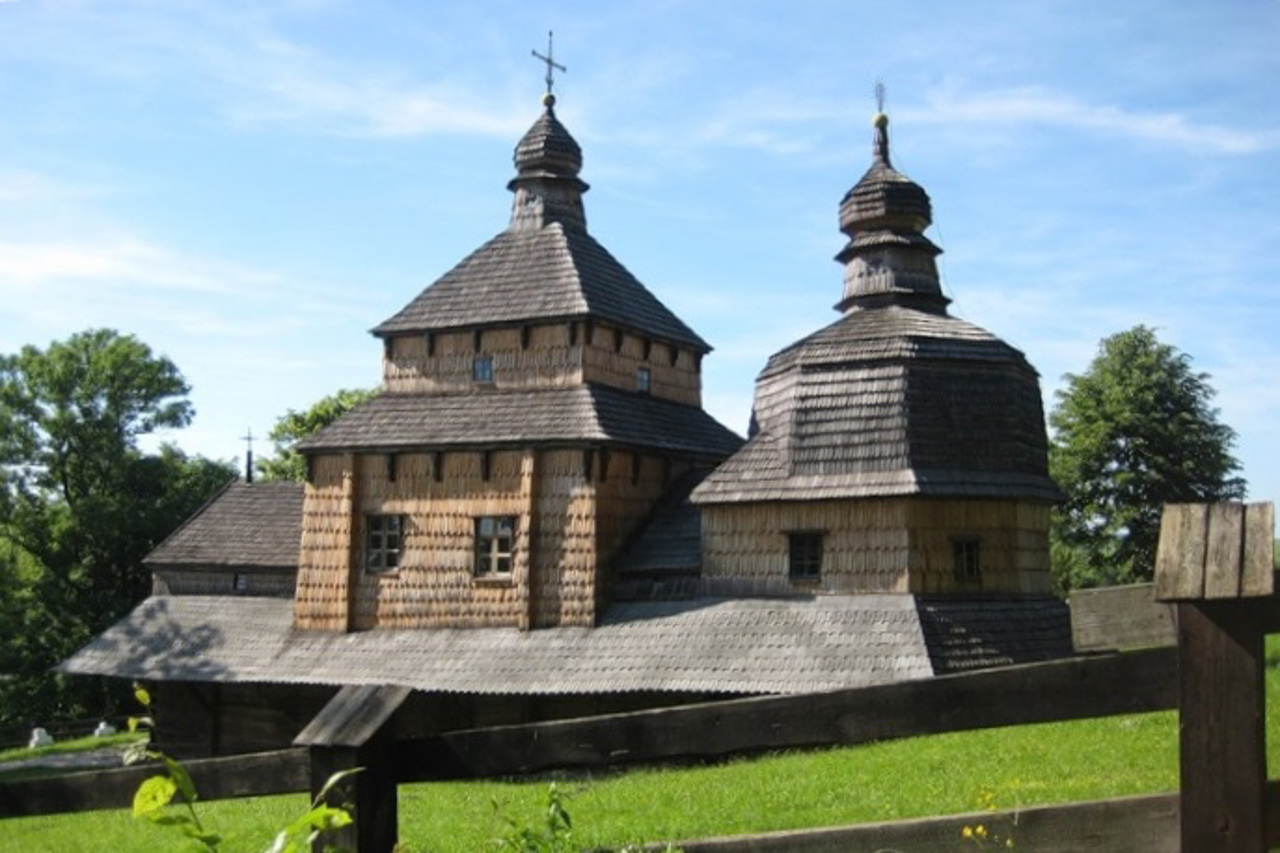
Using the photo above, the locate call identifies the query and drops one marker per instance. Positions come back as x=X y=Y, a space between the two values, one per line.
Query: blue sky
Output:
x=250 y=186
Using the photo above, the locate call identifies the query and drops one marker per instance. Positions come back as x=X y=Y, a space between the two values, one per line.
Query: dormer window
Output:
x=482 y=369
x=644 y=380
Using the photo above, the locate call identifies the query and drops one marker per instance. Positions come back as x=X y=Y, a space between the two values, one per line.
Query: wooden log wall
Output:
x=564 y=556
x=540 y=356
x=1013 y=541
x=892 y=545
x=272 y=584
x=865 y=544
x=435 y=584
x=326 y=552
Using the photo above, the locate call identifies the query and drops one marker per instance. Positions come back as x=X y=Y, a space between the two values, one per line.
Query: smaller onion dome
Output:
x=888 y=260
x=547 y=149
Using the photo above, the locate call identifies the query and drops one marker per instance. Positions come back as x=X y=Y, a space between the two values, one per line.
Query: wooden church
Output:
x=535 y=517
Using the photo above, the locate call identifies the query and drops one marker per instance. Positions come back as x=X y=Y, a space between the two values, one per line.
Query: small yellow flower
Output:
x=967 y=832
x=980 y=831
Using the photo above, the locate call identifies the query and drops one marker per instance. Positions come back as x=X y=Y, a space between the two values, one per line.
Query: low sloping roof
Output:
x=582 y=413
x=247 y=525
x=705 y=645
x=550 y=273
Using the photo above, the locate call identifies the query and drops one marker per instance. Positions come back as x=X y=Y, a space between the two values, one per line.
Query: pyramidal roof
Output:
x=545 y=265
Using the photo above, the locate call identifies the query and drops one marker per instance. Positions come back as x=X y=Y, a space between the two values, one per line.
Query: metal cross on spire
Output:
x=552 y=65
x=880 y=92
x=248 y=456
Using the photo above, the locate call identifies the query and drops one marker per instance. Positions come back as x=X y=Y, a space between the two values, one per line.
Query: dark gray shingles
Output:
x=705 y=645
x=971 y=633
x=584 y=413
x=249 y=525
x=551 y=273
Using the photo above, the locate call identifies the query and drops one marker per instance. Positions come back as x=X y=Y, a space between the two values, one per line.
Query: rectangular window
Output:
x=482 y=368
x=383 y=542
x=644 y=380
x=495 y=543
x=804 y=556
x=240 y=582
x=967 y=556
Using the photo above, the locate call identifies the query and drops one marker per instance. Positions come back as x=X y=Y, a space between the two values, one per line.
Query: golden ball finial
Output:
x=548 y=100
x=880 y=121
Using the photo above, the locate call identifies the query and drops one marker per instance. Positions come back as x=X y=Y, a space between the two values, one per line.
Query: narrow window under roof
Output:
x=967 y=558
x=482 y=368
x=494 y=545
x=383 y=542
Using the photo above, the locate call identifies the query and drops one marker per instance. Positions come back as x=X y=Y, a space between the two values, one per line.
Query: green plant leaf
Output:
x=182 y=779
x=144 y=698
x=334 y=780
x=152 y=795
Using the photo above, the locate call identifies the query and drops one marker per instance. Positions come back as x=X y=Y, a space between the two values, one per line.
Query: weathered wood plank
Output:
x=1222 y=714
x=1179 y=572
x=1120 y=617
x=1223 y=550
x=1257 y=578
x=353 y=716
x=1057 y=690
x=278 y=772
x=1123 y=825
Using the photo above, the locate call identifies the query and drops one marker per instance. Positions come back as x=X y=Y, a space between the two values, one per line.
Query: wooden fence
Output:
x=1225 y=804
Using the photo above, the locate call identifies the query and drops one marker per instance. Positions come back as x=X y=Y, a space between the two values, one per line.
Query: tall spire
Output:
x=888 y=260
x=547 y=160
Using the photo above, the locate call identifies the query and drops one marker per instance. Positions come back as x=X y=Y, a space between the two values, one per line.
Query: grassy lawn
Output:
x=1020 y=766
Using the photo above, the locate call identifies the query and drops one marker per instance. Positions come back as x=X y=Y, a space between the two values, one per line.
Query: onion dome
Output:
x=888 y=260
x=547 y=187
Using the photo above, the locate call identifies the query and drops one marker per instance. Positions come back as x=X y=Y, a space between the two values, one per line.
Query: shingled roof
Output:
x=545 y=266
x=754 y=645
x=246 y=526
x=896 y=397
x=581 y=413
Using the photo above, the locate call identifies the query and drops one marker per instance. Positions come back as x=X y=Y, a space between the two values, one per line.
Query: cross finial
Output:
x=552 y=65
x=880 y=92
x=248 y=456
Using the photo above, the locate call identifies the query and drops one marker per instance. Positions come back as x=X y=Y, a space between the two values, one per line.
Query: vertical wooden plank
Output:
x=1223 y=549
x=1221 y=728
x=370 y=796
x=1257 y=577
x=1179 y=572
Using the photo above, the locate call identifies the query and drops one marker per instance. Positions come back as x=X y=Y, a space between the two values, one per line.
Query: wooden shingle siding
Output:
x=328 y=545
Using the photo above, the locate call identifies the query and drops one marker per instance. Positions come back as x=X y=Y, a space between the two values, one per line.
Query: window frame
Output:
x=378 y=527
x=482 y=369
x=644 y=379
x=966 y=559
x=487 y=554
x=804 y=555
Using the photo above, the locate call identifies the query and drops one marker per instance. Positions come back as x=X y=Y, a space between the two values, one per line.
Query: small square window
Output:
x=383 y=542
x=495 y=545
x=240 y=582
x=967 y=558
x=644 y=380
x=804 y=556
x=482 y=368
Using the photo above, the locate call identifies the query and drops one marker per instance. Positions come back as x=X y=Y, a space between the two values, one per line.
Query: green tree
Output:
x=1132 y=433
x=286 y=463
x=80 y=503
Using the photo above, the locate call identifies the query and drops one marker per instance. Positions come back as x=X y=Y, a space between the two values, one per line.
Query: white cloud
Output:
x=1034 y=105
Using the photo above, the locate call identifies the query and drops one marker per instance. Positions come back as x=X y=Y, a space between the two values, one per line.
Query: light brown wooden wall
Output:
x=892 y=545
x=564 y=556
x=325 y=556
x=1014 y=549
x=548 y=361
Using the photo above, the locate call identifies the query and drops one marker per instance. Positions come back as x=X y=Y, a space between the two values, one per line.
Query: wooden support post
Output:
x=353 y=731
x=369 y=796
x=1221 y=728
x=1210 y=561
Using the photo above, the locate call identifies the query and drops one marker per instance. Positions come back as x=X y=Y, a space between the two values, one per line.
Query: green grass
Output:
x=941 y=774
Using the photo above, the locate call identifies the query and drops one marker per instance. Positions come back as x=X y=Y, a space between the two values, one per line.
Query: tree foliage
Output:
x=80 y=503
x=293 y=426
x=1133 y=432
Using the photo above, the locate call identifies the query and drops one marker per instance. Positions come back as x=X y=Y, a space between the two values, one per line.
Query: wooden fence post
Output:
x=351 y=732
x=1212 y=564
